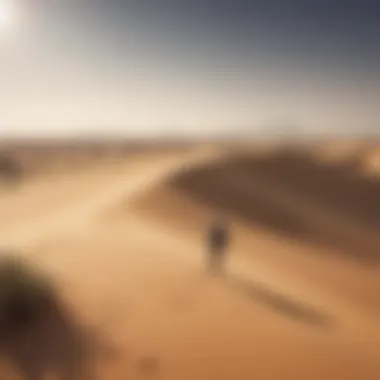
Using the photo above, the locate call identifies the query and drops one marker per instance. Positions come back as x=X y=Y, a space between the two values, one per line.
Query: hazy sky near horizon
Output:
x=158 y=67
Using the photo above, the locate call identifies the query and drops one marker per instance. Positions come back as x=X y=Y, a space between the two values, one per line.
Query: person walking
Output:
x=217 y=245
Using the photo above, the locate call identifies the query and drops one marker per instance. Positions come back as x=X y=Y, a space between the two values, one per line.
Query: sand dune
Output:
x=292 y=194
x=127 y=249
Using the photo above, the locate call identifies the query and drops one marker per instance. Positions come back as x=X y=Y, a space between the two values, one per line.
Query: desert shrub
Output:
x=10 y=170
x=26 y=294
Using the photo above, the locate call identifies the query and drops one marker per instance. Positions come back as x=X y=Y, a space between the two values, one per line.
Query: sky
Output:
x=183 y=68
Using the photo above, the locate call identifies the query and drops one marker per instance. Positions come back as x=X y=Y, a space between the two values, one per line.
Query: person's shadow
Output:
x=59 y=346
x=280 y=302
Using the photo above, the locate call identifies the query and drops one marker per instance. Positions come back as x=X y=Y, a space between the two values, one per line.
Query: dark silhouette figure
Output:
x=217 y=245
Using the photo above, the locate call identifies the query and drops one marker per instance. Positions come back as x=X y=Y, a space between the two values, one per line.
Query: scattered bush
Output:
x=25 y=294
x=10 y=170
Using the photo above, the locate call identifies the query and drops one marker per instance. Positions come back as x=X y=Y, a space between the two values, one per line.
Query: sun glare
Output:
x=6 y=14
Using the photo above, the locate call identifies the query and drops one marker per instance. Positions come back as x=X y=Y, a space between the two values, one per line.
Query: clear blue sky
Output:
x=151 y=67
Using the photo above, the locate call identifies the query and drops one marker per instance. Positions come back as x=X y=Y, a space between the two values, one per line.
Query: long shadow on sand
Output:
x=237 y=185
x=58 y=347
x=280 y=303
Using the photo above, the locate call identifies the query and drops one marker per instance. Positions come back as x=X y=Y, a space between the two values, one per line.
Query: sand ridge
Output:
x=130 y=257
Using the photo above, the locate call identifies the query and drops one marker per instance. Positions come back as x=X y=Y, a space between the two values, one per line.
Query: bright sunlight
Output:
x=6 y=14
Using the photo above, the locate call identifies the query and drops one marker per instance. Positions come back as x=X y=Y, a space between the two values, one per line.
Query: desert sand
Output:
x=300 y=297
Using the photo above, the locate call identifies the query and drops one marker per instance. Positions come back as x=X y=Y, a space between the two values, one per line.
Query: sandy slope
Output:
x=277 y=314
